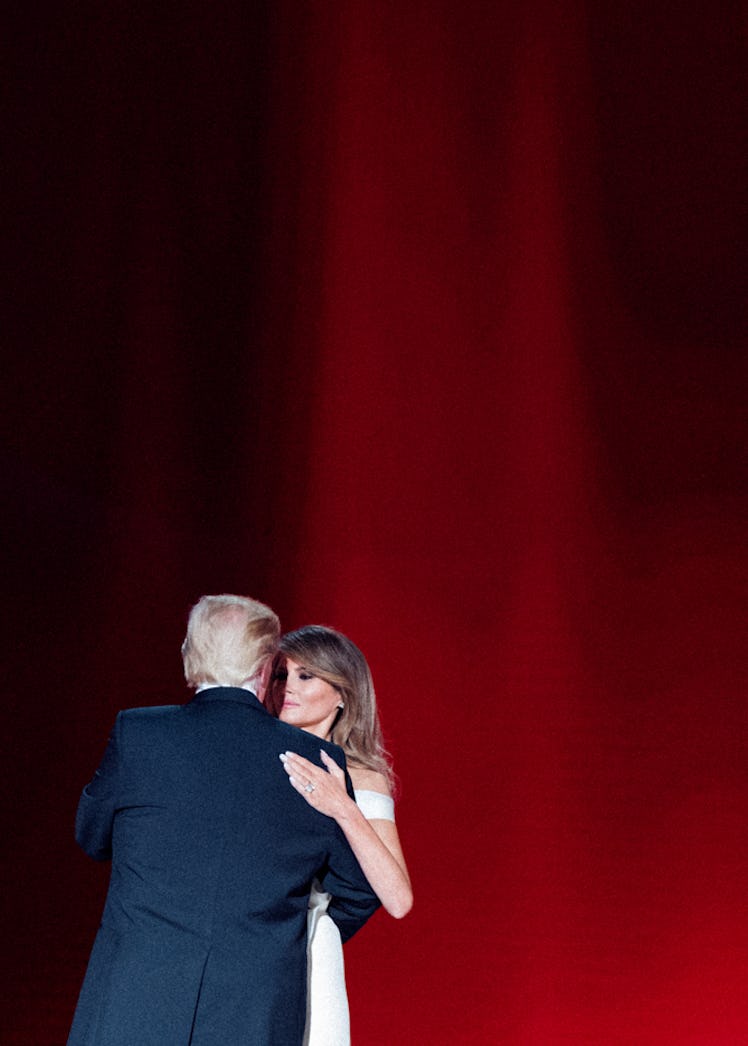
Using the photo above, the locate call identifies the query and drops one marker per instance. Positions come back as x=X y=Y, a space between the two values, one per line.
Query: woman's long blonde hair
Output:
x=331 y=656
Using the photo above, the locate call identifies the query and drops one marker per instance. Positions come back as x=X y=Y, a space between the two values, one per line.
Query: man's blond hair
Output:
x=229 y=640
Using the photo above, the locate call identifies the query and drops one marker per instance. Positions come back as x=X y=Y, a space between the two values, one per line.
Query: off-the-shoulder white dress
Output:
x=327 y=1019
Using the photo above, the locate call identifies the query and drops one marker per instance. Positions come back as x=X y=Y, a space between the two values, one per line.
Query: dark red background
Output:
x=425 y=320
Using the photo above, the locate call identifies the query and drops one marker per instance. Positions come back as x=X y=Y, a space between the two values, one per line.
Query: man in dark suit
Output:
x=203 y=936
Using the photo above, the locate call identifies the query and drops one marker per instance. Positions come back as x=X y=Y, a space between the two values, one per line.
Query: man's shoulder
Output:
x=150 y=712
x=307 y=744
x=146 y=716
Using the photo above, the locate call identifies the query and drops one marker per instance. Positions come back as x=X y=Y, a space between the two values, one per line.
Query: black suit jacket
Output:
x=203 y=936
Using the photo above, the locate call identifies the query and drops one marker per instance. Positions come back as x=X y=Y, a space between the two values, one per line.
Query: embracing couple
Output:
x=234 y=883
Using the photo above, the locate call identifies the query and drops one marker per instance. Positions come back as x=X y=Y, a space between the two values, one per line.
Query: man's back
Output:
x=203 y=933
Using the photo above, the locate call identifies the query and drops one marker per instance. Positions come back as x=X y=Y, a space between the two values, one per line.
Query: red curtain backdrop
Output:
x=427 y=321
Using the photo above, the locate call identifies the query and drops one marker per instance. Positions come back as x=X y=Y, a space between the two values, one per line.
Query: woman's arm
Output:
x=375 y=843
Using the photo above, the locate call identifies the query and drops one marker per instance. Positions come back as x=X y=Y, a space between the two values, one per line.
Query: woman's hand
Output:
x=323 y=789
x=377 y=848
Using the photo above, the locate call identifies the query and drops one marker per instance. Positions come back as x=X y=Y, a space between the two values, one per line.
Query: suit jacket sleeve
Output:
x=95 y=817
x=353 y=900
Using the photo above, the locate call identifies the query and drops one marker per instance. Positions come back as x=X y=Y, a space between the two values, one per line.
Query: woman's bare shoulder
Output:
x=369 y=780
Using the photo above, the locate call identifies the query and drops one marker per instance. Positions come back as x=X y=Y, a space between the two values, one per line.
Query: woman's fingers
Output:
x=299 y=763
x=304 y=766
x=303 y=775
x=321 y=788
x=330 y=763
x=304 y=771
x=302 y=787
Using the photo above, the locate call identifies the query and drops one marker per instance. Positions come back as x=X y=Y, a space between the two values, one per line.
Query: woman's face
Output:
x=308 y=701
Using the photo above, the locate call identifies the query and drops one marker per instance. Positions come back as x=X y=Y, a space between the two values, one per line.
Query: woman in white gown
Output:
x=322 y=683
